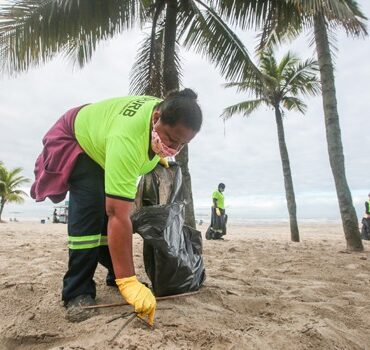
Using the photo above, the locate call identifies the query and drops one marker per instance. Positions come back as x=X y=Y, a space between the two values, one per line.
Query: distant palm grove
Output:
x=10 y=183
x=33 y=32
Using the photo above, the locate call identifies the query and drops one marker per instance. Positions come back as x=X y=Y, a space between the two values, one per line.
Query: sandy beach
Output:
x=262 y=292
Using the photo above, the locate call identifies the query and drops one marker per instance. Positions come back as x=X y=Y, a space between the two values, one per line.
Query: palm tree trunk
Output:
x=2 y=204
x=288 y=181
x=183 y=159
x=333 y=137
x=154 y=87
x=170 y=73
x=171 y=82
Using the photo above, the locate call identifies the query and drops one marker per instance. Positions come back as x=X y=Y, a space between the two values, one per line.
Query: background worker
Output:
x=365 y=229
x=367 y=207
x=218 y=219
x=97 y=152
x=55 y=217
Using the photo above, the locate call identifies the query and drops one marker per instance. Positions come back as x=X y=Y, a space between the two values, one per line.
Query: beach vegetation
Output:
x=10 y=183
x=279 y=88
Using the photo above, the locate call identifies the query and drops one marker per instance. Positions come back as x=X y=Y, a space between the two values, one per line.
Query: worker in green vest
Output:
x=219 y=219
x=367 y=207
x=97 y=152
x=365 y=229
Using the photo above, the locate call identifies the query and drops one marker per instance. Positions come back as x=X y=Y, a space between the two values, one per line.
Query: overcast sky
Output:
x=243 y=153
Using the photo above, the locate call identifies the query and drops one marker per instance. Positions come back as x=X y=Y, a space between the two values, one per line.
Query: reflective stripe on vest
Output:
x=86 y=242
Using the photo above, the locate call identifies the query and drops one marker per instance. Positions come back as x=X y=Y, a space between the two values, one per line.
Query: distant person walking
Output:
x=55 y=217
x=217 y=228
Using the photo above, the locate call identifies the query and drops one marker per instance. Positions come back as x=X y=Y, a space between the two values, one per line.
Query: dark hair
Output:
x=221 y=185
x=181 y=107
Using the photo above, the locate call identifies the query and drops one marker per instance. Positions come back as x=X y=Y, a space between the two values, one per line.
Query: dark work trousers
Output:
x=87 y=229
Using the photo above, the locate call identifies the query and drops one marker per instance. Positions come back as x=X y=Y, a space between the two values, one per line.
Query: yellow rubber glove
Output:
x=218 y=213
x=139 y=296
x=164 y=162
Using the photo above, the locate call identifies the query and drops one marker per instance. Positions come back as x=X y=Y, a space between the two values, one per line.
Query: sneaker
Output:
x=111 y=280
x=75 y=312
x=110 y=283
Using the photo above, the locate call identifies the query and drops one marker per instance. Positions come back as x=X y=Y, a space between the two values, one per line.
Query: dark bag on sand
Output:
x=172 y=251
x=365 y=229
x=217 y=228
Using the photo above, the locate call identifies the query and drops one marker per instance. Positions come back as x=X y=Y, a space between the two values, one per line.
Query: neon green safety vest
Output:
x=220 y=199
x=115 y=133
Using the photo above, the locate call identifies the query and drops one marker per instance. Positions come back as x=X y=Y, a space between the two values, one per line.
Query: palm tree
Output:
x=333 y=135
x=158 y=68
x=281 y=84
x=33 y=32
x=159 y=72
x=286 y=19
x=9 y=186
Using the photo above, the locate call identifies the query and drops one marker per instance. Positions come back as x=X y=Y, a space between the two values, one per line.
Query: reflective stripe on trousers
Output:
x=87 y=242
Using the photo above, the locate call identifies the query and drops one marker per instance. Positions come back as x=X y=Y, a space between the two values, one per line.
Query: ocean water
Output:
x=240 y=215
x=311 y=207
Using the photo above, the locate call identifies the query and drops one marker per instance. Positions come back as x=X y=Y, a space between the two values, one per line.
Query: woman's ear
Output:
x=155 y=116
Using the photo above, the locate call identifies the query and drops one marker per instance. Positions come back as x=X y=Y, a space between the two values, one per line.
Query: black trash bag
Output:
x=217 y=228
x=365 y=229
x=212 y=234
x=173 y=252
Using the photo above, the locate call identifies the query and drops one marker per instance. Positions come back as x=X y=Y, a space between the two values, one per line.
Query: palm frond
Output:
x=344 y=14
x=247 y=14
x=146 y=76
x=210 y=36
x=287 y=63
x=288 y=18
x=20 y=193
x=34 y=31
x=16 y=197
x=332 y=39
x=268 y=64
x=15 y=171
x=249 y=86
x=2 y=187
x=278 y=19
x=2 y=170
x=244 y=108
x=284 y=22
x=270 y=70
x=301 y=77
x=16 y=182
x=294 y=103
x=286 y=79
x=273 y=14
